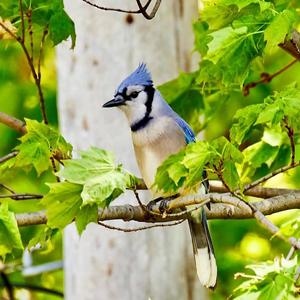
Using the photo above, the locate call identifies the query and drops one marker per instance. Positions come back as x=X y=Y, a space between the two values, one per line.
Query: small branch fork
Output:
x=257 y=214
x=142 y=9
x=266 y=78
x=291 y=46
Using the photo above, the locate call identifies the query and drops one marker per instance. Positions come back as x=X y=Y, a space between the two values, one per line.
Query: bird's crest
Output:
x=141 y=76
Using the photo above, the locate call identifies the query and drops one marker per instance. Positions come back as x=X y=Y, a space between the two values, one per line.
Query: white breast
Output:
x=154 y=143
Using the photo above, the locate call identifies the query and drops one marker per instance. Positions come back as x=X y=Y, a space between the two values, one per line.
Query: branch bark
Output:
x=224 y=206
x=13 y=123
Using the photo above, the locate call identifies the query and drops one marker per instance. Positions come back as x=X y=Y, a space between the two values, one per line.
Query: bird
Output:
x=157 y=132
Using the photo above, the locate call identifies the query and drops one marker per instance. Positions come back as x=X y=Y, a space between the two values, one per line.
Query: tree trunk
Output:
x=103 y=264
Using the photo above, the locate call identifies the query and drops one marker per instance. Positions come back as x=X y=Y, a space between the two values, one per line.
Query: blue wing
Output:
x=188 y=132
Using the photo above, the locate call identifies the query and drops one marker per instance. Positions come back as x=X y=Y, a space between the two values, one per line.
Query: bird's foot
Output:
x=163 y=206
x=152 y=203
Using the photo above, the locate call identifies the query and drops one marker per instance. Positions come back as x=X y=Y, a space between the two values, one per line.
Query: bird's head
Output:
x=135 y=95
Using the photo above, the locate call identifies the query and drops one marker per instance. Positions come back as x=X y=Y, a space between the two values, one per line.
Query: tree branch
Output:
x=266 y=78
x=144 y=12
x=267 y=177
x=22 y=196
x=8 y=156
x=36 y=288
x=118 y=9
x=224 y=206
x=7 y=284
x=290 y=133
x=13 y=123
x=292 y=45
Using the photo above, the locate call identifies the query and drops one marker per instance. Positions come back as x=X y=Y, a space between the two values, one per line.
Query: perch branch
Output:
x=223 y=207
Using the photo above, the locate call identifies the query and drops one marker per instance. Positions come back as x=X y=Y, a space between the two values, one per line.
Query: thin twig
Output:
x=266 y=78
x=8 y=156
x=7 y=284
x=22 y=21
x=9 y=31
x=30 y=31
x=32 y=68
x=54 y=168
x=12 y=122
x=112 y=9
x=22 y=196
x=35 y=288
x=7 y=188
x=267 y=177
x=290 y=254
x=45 y=32
x=290 y=133
x=140 y=228
x=153 y=12
x=37 y=83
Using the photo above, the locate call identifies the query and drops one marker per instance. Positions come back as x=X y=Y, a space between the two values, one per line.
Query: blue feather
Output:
x=188 y=132
x=141 y=76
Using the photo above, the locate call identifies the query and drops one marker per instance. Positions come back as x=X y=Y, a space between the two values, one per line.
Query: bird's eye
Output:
x=134 y=94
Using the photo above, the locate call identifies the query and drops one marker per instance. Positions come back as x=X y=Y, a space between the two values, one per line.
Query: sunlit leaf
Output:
x=102 y=180
x=9 y=232
x=62 y=203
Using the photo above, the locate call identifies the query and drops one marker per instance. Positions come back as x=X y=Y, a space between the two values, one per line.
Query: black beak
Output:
x=114 y=102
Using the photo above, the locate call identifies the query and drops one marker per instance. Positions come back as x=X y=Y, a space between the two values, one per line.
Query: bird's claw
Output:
x=163 y=206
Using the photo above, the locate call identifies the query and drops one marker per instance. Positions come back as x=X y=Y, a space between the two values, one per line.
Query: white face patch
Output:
x=135 y=108
x=134 y=88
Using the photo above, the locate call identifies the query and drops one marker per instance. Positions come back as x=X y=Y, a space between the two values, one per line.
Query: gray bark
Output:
x=155 y=264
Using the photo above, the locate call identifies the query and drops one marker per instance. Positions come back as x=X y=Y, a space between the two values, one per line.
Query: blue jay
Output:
x=157 y=132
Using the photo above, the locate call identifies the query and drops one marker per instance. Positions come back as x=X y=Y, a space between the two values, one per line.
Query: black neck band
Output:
x=144 y=121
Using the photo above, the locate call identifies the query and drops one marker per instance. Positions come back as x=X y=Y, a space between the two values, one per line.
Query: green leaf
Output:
x=62 y=203
x=102 y=181
x=184 y=169
x=227 y=150
x=225 y=51
x=42 y=238
x=86 y=215
x=196 y=157
x=243 y=3
x=291 y=228
x=202 y=37
x=225 y=11
x=230 y=174
x=279 y=28
x=38 y=145
x=171 y=173
x=9 y=232
x=245 y=118
x=61 y=27
x=260 y=153
x=272 y=280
